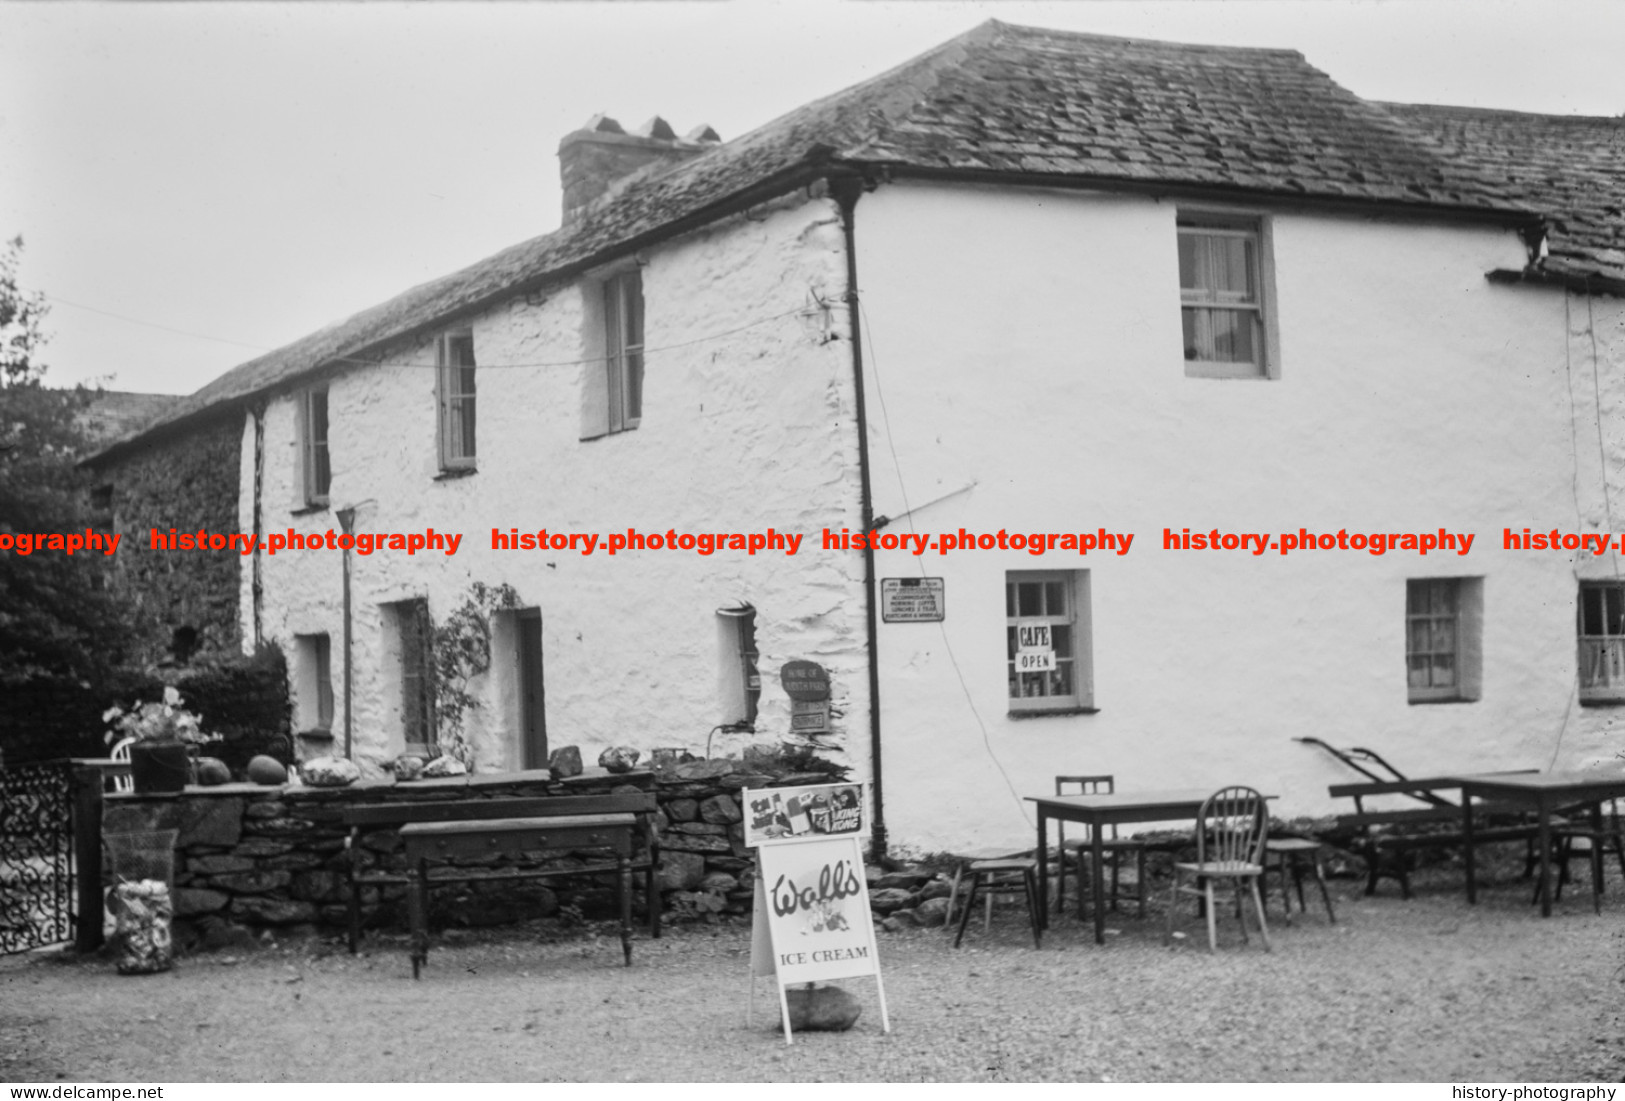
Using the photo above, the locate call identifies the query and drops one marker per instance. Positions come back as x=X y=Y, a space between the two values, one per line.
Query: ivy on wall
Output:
x=461 y=652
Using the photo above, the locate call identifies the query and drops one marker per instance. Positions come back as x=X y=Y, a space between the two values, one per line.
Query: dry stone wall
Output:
x=261 y=855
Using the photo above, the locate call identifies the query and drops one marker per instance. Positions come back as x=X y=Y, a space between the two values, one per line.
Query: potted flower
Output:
x=164 y=734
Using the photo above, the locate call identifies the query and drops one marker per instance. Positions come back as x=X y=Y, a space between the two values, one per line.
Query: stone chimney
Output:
x=596 y=158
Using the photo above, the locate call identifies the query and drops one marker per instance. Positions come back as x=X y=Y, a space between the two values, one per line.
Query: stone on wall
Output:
x=721 y=809
x=680 y=871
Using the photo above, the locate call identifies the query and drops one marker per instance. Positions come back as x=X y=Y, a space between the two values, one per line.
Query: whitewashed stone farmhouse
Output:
x=1033 y=283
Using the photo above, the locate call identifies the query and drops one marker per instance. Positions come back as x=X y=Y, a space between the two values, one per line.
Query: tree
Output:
x=56 y=615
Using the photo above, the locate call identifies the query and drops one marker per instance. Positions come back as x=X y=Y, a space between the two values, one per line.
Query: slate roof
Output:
x=1000 y=102
x=114 y=413
x=1571 y=167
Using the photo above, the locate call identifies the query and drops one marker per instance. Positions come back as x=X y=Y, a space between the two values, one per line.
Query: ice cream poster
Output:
x=814 y=902
x=784 y=814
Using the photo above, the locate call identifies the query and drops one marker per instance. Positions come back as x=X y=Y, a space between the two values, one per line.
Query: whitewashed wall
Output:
x=1029 y=343
x=739 y=433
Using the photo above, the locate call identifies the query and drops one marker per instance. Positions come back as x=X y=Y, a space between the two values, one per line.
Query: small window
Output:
x=414 y=640
x=1443 y=633
x=1048 y=660
x=739 y=681
x=313 y=682
x=1223 y=290
x=623 y=349
x=1601 y=630
x=315 y=472
x=456 y=398
x=101 y=498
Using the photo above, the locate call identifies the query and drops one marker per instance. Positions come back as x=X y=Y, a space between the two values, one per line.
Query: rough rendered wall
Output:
x=1595 y=367
x=740 y=432
x=189 y=482
x=1030 y=344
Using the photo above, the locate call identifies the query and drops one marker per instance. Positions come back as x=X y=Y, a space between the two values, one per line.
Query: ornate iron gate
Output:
x=36 y=855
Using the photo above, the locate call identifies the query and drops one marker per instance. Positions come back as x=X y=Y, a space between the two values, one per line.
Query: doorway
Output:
x=532 y=697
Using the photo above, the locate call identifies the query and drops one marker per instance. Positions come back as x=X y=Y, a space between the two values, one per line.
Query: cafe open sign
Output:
x=1035 y=650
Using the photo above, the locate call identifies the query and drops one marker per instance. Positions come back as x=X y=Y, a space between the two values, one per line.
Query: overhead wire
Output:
x=908 y=514
x=361 y=361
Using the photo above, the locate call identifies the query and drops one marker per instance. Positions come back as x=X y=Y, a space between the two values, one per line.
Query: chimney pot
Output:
x=657 y=128
x=596 y=159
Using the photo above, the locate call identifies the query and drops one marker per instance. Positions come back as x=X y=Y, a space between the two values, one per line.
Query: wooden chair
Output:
x=1597 y=843
x=1231 y=831
x=1288 y=855
x=1003 y=874
x=963 y=869
x=1115 y=848
x=121 y=752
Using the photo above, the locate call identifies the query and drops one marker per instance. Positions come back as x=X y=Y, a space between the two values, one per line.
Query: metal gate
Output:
x=36 y=855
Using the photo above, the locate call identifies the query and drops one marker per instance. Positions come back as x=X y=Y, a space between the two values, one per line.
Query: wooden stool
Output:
x=994 y=875
x=1290 y=854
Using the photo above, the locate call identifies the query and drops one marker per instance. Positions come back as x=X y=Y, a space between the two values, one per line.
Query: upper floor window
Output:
x=1601 y=631
x=455 y=393
x=315 y=471
x=1224 y=281
x=623 y=348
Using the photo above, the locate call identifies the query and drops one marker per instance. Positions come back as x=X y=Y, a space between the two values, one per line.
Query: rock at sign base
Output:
x=212 y=771
x=619 y=758
x=444 y=766
x=565 y=762
x=331 y=772
x=267 y=770
x=821 y=1009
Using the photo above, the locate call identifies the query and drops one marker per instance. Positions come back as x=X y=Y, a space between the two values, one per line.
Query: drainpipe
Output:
x=256 y=584
x=846 y=191
x=347 y=522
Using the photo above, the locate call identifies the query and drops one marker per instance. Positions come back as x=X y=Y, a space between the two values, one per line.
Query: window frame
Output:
x=1610 y=652
x=315 y=454
x=452 y=401
x=739 y=678
x=1077 y=616
x=313 y=686
x=1466 y=616
x=1258 y=228
x=624 y=349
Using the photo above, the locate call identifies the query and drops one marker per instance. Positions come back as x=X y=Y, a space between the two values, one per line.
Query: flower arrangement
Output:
x=156 y=721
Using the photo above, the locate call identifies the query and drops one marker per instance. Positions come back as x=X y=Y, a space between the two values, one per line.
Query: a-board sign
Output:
x=804 y=680
x=811 y=920
x=913 y=599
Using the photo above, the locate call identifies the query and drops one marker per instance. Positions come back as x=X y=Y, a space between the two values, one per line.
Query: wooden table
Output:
x=1545 y=792
x=508 y=837
x=1097 y=811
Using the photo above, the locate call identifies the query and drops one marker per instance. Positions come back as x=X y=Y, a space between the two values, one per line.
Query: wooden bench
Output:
x=641 y=805
x=1388 y=838
x=451 y=841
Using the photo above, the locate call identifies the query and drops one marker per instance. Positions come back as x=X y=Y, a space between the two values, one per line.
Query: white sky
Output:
x=251 y=172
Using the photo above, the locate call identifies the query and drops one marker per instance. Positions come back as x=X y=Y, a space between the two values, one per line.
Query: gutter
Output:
x=847 y=190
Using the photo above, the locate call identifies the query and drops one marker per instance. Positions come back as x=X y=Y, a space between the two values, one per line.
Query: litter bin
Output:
x=143 y=871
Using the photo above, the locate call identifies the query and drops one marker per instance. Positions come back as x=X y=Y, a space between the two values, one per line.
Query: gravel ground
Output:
x=1428 y=990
